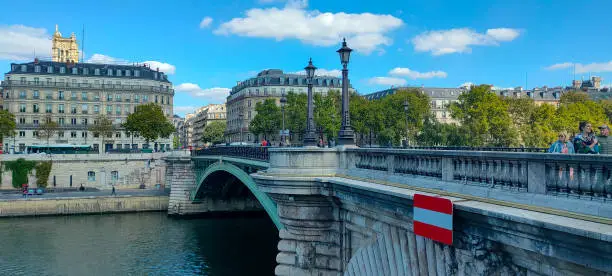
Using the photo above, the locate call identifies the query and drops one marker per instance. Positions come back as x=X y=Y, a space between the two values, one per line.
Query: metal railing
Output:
x=150 y=88
x=464 y=148
x=247 y=152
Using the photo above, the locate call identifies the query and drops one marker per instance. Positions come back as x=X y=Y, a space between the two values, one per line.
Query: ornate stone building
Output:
x=64 y=49
x=74 y=95
x=207 y=115
x=268 y=84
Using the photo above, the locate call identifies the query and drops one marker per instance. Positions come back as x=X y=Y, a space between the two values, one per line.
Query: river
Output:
x=137 y=244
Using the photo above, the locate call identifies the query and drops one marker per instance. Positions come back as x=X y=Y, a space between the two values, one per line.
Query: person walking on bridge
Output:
x=113 y=193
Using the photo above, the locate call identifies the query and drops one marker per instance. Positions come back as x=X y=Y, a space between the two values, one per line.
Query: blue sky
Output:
x=208 y=45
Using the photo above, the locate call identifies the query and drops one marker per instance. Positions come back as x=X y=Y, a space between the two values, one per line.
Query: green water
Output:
x=137 y=244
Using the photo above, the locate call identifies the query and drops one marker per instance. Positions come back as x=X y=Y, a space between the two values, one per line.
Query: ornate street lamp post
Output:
x=406 y=106
x=310 y=139
x=346 y=135
x=283 y=102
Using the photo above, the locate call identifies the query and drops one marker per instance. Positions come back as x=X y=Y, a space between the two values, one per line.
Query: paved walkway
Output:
x=120 y=192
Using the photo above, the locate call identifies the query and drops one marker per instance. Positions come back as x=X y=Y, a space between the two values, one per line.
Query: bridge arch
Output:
x=266 y=202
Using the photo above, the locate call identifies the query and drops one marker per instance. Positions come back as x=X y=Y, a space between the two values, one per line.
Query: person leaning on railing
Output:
x=604 y=140
x=585 y=141
x=562 y=145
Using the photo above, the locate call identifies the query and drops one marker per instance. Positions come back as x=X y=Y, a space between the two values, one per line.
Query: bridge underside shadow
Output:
x=224 y=187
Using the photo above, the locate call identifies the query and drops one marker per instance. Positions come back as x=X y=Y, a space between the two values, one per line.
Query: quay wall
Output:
x=81 y=205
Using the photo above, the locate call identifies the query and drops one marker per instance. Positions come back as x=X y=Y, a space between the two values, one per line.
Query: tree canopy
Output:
x=327 y=112
x=149 y=122
x=7 y=124
x=267 y=121
x=295 y=112
x=213 y=132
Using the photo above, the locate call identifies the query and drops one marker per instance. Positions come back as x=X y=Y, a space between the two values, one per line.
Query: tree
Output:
x=7 y=124
x=176 y=143
x=327 y=112
x=396 y=122
x=47 y=129
x=571 y=113
x=485 y=116
x=295 y=112
x=103 y=127
x=267 y=121
x=213 y=132
x=149 y=122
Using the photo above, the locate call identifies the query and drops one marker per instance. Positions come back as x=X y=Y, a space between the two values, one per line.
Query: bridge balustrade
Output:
x=578 y=176
x=247 y=152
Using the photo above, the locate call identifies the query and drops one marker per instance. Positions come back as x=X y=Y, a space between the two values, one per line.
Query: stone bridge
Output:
x=349 y=210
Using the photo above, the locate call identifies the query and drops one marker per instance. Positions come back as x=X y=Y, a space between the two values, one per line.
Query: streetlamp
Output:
x=283 y=101
x=310 y=139
x=346 y=135
x=240 y=116
x=406 y=106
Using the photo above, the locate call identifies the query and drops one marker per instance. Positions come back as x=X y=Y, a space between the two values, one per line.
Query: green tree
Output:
x=295 y=112
x=485 y=117
x=267 y=121
x=7 y=124
x=47 y=129
x=176 y=142
x=149 y=122
x=607 y=106
x=570 y=113
x=327 y=112
x=397 y=122
x=102 y=127
x=366 y=116
x=213 y=132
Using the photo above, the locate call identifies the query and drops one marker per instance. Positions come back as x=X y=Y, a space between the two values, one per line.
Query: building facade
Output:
x=207 y=115
x=178 y=122
x=64 y=49
x=268 y=84
x=74 y=94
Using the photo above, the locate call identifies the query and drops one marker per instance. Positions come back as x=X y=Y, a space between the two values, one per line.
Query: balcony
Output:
x=84 y=111
x=61 y=98
x=35 y=97
x=49 y=97
x=145 y=88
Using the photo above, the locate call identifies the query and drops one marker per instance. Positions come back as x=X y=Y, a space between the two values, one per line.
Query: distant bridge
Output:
x=349 y=210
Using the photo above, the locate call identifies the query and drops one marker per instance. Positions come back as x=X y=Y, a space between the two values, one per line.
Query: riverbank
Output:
x=77 y=205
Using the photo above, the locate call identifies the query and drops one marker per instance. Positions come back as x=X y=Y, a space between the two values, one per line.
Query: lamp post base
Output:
x=346 y=137
x=310 y=139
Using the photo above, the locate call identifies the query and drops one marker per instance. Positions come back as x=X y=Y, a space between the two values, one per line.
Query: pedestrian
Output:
x=25 y=193
x=604 y=141
x=113 y=193
x=81 y=188
x=563 y=145
x=585 y=141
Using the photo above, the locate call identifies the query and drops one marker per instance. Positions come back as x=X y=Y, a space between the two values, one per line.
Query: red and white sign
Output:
x=433 y=218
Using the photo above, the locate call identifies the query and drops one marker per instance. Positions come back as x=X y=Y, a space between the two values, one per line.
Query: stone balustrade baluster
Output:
x=573 y=182
x=552 y=178
x=597 y=181
x=523 y=180
x=585 y=180
x=607 y=182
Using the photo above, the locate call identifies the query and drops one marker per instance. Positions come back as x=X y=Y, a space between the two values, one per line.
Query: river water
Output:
x=137 y=244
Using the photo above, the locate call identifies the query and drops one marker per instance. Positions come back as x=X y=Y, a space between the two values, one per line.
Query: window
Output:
x=109 y=72
x=73 y=109
x=74 y=83
x=62 y=70
x=61 y=121
x=35 y=108
x=35 y=134
x=109 y=97
x=73 y=96
x=127 y=73
x=84 y=109
x=118 y=135
x=73 y=134
x=155 y=98
x=162 y=102
x=97 y=71
x=73 y=121
x=84 y=134
x=35 y=94
x=118 y=72
x=96 y=109
x=75 y=70
x=60 y=134
x=22 y=94
x=118 y=97
x=118 y=110
x=22 y=133
x=85 y=71
x=22 y=120
x=22 y=80
x=49 y=95
x=84 y=121
x=91 y=176
x=49 y=108
x=136 y=98
x=84 y=96
x=114 y=176
x=49 y=69
x=136 y=73
x=145 y=99
x=35 y=121
x=60 y=95
x=23 y=68
x=48 y=81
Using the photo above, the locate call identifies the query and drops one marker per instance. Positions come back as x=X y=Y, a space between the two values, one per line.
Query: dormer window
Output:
x=37 y=68
x=127 y=73
x=75 y=71
x=49 y=69
x=97 y=71
x=24 y=68
x=85 y=71
x=62 y=70
x=118 y=72
x=109 y=72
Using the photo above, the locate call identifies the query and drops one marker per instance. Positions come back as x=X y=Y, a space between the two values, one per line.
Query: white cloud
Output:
x=595 y=67
x=560 y=66
x=365 y=32
x=205 y=23
x=163 y=67
x=19 y=42
x=322 y=72
x=212 y=95
x=406 y=72
x=459 y=40
x=182 y=110
x=387 y=81
x=467 y=84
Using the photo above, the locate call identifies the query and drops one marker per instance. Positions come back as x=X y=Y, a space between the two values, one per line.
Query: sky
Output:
x=206 y=46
